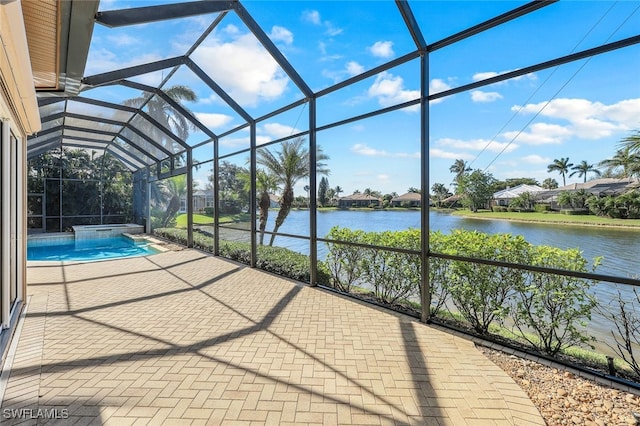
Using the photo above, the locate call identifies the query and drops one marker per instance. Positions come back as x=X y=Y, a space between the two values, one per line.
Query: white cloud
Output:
x=437 y=85
x=281 y=34
x=231 y=29
x=480 y=96
x=123 y=40
x=585 y=119
x=382 y=49
x=235 y=142
x=389 y=90
x=483 y=75
x=279 y=130
x=104 y=60
x=477 y=144
x=363 y=149
x=312 y=16
x=332 y=30
x=322 y=46
x=350 y=69
x=248 y=73
x=212 y=120
x=540 y=134
x=211 y=99
x=439 y=153
x=354 y=68
x=535 y=159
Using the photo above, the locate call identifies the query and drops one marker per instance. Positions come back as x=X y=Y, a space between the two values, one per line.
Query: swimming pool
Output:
x=88 y=250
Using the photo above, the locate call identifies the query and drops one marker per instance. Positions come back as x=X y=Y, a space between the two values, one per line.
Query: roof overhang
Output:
x=59 y=34
x=16 y=81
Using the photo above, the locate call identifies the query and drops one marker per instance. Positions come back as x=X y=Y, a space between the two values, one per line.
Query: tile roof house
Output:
x=410 y=199
x=358 y=200
x=601 y=187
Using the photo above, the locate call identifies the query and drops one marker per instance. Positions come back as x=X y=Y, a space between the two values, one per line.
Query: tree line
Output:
x=475 y=188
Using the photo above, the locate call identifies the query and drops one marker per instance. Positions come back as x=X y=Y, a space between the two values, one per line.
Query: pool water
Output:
x=88 y=250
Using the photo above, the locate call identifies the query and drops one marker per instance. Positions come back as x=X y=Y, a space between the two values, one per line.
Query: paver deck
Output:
x=186 y=338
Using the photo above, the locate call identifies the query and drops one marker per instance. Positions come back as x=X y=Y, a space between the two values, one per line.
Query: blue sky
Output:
x=511 y=129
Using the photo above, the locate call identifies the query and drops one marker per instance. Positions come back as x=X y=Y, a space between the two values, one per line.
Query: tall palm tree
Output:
x=549 y=183
x=307 y=188
x=583 y=169
x=440 y=192
x=632 y=142
x=459 y=168
x=338 y=190
x=165 y=114
x=625 y=159
x=289 y=165
x=266 y=183
x=561 y=166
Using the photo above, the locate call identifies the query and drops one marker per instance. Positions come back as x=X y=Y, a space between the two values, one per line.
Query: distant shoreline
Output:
x=554 y=221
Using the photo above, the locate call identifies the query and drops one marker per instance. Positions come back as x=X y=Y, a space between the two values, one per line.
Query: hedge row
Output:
x=278 y=260
x=547 y=311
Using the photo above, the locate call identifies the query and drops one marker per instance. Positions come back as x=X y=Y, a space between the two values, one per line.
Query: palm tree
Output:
x=440 y=192
x=165 y=114
x=176 y=188
x=307 y=188
x=583 y=169
x=266 y=183
x=625 y=159
x=289 y=165
x=549 y=183
x=561 y=166
x=632 y=142
x=337 y=191
x=459 y=167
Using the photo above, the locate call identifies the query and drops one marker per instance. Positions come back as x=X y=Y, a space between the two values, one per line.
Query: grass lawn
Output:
x=551 y=218
x=200 y=219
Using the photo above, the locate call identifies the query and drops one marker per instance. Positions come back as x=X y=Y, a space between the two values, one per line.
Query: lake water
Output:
x=618 y=247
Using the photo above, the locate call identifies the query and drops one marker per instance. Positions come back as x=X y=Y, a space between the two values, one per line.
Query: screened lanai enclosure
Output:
x=284 y=134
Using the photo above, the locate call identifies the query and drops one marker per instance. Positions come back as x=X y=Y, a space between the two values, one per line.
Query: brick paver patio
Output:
x=185 y=338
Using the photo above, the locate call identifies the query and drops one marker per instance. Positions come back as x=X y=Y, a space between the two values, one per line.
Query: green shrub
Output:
x=343 y=260
x=499 y=209
x=480 y=291
x=438 y=274
x=393 y=275
x=540 y=208
x=208 y=211
x=278 y=260
x=554 y=307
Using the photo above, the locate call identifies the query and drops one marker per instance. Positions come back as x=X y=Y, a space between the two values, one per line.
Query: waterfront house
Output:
x=598 y=187
x=358 y=200
x=502 y=198
x=410 y=199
